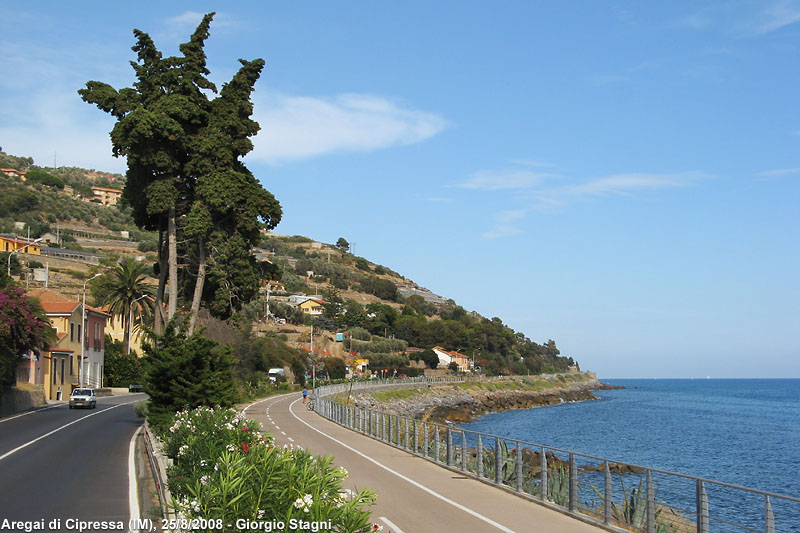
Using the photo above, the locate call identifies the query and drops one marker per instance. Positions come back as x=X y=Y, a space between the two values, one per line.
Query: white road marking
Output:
x=277 y=427
x=290 y=439
x=133 y=493
x=37 y=439
x=389 y=523
x=401 y=476
x=31 y=412
x=283 y=433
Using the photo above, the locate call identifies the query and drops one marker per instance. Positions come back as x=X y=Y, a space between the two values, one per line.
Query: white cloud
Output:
x=501 y=180
x=777 y=15
x=299 y=127
x=627 y=183
x=505 y=224
x=187 y=19
x=778 y=172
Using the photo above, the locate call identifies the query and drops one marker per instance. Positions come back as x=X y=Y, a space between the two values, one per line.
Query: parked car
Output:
x=135 y=388
x=82 y=398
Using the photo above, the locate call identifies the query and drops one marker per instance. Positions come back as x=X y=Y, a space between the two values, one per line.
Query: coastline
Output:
x=464 y=402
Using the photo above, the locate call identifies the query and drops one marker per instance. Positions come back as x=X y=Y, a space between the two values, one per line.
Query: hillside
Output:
x=386 y=313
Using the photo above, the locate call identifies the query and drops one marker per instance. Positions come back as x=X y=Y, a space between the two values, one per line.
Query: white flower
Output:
x=203 y=462
x=230 y=448
x=183 y=449
x=261 y=513
x=205 y=480
x=342 y=472
x=304 y=503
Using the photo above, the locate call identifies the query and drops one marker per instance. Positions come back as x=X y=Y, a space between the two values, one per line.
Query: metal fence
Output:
x=613 y=494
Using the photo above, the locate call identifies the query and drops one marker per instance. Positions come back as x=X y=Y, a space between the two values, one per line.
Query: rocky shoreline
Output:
x=465 y=402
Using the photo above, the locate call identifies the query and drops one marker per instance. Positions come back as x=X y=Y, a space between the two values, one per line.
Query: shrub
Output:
x=226 y=471
x=360 y=334
x=185 y=372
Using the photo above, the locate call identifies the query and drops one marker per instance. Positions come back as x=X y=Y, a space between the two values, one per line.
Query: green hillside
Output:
x=359 y=295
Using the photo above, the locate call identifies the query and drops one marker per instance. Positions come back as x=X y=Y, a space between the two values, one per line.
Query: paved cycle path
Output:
x=414 y=495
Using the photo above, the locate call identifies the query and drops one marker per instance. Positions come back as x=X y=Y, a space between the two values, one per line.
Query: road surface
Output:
x=414 y=495
x=68 y=464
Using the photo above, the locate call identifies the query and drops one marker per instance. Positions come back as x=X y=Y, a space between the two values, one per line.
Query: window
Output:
x=71 y=367
x=63 y=366
x=55 y=370
x=72 y=332
x=79 y=333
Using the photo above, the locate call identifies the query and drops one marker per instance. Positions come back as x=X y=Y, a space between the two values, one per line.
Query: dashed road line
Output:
x=404 y=477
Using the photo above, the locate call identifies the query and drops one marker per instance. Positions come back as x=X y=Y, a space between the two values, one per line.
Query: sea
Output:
x=739 y=431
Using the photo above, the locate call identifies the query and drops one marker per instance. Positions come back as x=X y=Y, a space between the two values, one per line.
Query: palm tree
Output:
x=127 y=294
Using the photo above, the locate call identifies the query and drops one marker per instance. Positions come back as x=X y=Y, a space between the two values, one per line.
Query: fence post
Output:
x=769 y=518
x=425 y=439
x=702 y=508
x=406 y=433
x=436 y=443
x=498 y=462
x=416 y=437
x=573 y=483
x=463 y=451
x=519 y=467
x=480 y=457
x=391 y=426
x=607 y=495
x=651 y=504
x=449 y=447
x=544 y=474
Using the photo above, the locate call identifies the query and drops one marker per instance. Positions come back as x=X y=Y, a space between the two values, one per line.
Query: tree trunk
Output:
x=126 y=323
x=172 y=246
x=159 y=319
x=198 y=285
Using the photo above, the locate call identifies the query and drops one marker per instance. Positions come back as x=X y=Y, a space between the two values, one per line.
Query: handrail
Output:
x=654 y=500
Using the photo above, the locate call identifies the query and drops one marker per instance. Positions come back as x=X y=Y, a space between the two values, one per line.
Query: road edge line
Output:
x=404 y=477
x=133 y=488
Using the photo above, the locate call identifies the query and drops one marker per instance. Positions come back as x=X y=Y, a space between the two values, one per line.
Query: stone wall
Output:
x=16 y=400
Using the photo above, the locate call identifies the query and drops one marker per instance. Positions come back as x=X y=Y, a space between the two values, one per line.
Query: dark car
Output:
x=135 y=388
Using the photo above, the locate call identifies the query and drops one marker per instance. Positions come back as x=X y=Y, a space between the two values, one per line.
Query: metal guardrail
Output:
x=159 y=468
x=613 y=494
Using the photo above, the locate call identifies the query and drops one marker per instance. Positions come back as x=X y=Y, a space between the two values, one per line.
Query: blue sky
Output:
x=622 y=177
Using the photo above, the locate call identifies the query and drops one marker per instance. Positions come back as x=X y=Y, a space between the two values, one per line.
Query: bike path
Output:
x=414 y=495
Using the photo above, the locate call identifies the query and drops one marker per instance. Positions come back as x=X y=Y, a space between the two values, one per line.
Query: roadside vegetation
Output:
x=227 y=473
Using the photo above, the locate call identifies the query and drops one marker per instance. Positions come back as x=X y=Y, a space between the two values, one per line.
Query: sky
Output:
x=621 y=177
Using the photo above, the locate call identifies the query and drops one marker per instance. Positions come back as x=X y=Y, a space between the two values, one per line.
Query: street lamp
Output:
x=130 y=320
x=84 y=316
x=8 y=270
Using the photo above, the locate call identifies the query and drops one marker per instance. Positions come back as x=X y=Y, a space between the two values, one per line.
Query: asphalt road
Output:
x=61 y=463
x=414 y=495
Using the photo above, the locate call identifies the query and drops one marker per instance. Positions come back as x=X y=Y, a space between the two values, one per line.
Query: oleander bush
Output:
x=226 y=471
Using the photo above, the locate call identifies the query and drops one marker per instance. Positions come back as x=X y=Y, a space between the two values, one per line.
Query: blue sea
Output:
x=740 y=431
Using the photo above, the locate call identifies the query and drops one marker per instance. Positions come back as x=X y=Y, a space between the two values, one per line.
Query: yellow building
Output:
x=58 y=368
x=107 y=196
x=12 y=244
x=312 y=306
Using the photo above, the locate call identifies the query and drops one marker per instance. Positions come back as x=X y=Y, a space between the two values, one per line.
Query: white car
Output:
x=82 y=398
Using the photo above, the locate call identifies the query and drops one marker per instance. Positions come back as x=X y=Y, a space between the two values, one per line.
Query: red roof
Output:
x=59 y=308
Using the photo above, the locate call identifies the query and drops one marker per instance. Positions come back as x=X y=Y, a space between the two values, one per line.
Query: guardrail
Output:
x=158 y=467
x=613 y=494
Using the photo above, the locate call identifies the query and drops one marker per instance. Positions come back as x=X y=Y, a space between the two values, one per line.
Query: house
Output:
x=10 y=243
x=107 y=196
x=14 y=173
x=58 y=368
x=312 y=306
x=447 y=357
